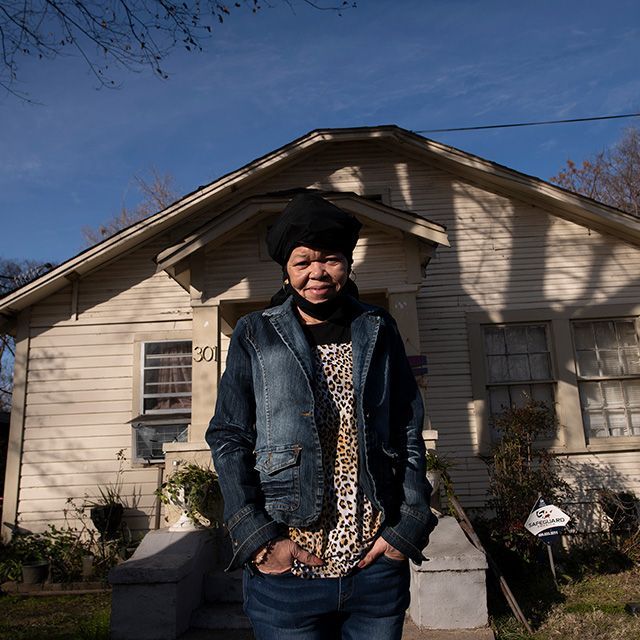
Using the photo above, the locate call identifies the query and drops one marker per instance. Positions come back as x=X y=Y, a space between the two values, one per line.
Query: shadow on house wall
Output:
x=4 y=446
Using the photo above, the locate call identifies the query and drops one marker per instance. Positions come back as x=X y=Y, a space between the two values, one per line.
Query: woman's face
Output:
x=317 y=275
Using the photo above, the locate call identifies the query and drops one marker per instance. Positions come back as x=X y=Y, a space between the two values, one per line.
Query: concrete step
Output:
x=412 y=632
x=450 y=590
x=220 y=616
x=220 y=634
x=223 y=587
x=228 y=622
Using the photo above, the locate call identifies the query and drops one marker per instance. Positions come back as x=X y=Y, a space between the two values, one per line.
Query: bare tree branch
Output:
x=7 y=344
x=611 y=176
x=114 y=34
x=12 y=275
x=158 y=193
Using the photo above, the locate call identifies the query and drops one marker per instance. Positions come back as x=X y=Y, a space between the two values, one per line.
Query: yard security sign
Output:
x=546 y=521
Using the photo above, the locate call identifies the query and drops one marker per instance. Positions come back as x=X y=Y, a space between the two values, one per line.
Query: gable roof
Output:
x=574 y=207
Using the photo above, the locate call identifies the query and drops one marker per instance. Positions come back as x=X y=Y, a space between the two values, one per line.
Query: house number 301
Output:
x=204 y=354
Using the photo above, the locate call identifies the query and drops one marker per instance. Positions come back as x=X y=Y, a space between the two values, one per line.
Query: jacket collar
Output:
x=286 y=308
x=364 y=331
x=284 y=320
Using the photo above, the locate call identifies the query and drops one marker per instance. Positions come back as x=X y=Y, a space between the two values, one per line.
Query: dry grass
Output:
x=590 y=609
x=591 y=625
x=611 y=588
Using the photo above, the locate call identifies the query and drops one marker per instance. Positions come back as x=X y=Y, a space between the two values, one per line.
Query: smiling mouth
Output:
x=321 y=289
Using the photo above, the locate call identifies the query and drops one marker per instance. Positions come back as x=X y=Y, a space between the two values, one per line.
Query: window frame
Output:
x=160 y=418
x=571 y=436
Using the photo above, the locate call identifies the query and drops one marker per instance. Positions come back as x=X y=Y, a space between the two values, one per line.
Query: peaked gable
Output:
x=573 y=207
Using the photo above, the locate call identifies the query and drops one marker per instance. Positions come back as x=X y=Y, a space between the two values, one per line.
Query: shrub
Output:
x=64 y=547
x=521 y=470
x=623 y=510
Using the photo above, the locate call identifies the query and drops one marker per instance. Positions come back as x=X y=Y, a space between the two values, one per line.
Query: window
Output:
x=165 y=398
x=166 y=376
x=595 y=391
x=518 y=365
x=608 y=368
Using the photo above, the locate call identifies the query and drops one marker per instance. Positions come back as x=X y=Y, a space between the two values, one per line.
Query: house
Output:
x=505 y=282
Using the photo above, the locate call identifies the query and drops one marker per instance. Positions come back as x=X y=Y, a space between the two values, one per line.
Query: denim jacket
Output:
x=265 y=443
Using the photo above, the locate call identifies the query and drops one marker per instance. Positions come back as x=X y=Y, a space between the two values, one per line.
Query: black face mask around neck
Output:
x=287 y=290
x=318 y=310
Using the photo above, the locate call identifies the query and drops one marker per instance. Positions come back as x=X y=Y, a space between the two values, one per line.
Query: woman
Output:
x=317 y=442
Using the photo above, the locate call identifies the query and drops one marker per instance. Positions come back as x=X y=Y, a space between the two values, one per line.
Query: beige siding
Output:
x=80 y=388
x=587 y=474
x=507 y=255
x=131 y=290
x=369 y=170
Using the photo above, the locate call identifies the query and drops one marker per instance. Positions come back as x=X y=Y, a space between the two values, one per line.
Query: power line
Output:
x=530 y=124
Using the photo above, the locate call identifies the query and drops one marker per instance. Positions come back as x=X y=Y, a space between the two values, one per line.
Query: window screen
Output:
x=608 y=368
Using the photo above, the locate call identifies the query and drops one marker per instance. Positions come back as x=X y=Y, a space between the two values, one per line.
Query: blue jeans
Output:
x=368 y=604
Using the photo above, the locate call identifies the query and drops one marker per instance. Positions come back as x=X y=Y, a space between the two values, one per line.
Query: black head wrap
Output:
x=312 y=221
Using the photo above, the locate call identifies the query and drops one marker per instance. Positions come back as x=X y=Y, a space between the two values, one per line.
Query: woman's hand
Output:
x=282 y=553
x=380 y=547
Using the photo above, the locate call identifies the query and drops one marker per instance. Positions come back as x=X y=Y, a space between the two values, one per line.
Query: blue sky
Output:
x=268 y=78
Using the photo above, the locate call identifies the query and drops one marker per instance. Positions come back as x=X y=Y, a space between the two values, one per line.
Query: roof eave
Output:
x=578 y=208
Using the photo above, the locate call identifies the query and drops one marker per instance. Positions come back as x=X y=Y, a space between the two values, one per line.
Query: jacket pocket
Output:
x=279 y=469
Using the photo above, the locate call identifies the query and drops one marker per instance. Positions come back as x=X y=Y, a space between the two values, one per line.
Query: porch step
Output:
x=450 y=591
x=411 y=632
x=220 y=616
x=223 y=587
x=221 y=634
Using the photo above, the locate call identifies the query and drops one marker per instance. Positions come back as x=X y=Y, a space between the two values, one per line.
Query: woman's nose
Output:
x=317 y=270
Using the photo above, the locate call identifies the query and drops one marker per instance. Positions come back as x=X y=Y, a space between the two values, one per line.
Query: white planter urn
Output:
x=434 y=476
x=184 y=522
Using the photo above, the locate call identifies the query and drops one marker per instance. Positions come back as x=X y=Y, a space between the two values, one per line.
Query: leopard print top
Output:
x=348 y=521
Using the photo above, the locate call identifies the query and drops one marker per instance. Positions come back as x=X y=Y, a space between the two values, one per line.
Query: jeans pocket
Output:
x=284 y=574
x=395 y=562
x=279 y=469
